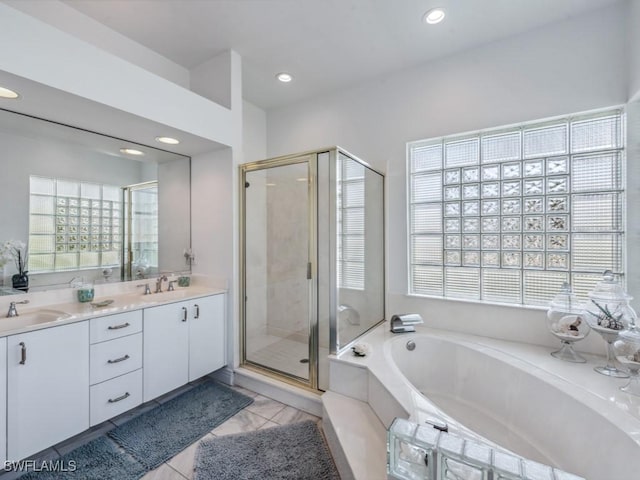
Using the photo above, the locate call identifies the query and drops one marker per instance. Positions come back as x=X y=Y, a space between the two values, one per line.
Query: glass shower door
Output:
x=140 y=248
x=278 y=269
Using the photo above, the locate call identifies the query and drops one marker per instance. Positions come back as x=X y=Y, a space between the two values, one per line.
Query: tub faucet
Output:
x=13 y=312
x=405 y=322
x=161 y=278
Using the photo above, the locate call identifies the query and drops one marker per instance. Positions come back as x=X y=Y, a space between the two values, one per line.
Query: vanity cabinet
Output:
x=182 y=342
x=3 y=398
x=115 y=359
x=48 y=387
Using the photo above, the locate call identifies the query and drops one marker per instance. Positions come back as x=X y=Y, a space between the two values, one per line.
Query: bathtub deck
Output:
x=357 y=438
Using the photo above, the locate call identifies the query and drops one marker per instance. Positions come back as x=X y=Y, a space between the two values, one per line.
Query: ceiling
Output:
x=326 y=44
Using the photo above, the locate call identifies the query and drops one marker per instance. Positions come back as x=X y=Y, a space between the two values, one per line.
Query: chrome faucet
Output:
x=172 y=285
x=13 y=312
x=147 y=290
x=161 y=278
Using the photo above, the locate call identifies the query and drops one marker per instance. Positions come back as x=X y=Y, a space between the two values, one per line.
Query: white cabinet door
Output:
x=48 y=387
x=166 y=343
x=206 y=336
x=3 y=398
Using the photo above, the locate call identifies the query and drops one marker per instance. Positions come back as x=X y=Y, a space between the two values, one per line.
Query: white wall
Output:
x=212 y=227
x=68 y=19
x=174 y=225
x=39 y=52
x=568 y=67
x=212 y=79
x=254 y=137
x=633 y=41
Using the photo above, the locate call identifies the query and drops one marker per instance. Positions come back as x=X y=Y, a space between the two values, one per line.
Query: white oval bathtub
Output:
x=518 y=398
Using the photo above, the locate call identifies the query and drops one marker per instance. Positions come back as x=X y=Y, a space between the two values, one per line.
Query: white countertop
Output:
x=44 y=312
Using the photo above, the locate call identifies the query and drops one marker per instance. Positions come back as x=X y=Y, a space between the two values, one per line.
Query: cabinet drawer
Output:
x=114 y=397
x=114 y=326
x=115 y=357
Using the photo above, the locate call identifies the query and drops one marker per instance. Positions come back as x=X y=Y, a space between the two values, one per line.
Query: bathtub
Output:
x=512 y=396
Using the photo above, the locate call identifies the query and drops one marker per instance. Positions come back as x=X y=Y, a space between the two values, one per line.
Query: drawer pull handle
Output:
x=197 y=311
x=117 y=327
x=121 y=359
x=114 y=400
x=184 y=314
x=23 y=353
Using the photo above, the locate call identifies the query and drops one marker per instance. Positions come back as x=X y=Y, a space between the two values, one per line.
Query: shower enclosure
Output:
x=312 y=261
x=140 y=246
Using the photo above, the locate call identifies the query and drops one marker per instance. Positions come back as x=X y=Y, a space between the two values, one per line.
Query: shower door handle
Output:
x=309 y=277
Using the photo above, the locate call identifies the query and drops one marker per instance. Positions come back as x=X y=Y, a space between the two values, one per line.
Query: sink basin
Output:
x=177 y=294
x=165 y=296
x=34 y=317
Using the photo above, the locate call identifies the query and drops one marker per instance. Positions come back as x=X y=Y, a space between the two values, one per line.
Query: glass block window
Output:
x=508 y=215
x=73 y=225
x=351 y=223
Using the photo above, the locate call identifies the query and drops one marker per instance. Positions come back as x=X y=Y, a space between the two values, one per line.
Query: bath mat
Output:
x=288 y=452
x=99 y=459
x=157 y=435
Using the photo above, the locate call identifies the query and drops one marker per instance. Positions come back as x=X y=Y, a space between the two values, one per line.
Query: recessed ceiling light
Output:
x=131 y=151
x=168 y=140
x=284 y=77
x=6 y=93
x=433 y=16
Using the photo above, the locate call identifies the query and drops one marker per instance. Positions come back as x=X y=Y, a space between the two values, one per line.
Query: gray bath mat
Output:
x=157 y=435
x=288 y=452
x=99 y=459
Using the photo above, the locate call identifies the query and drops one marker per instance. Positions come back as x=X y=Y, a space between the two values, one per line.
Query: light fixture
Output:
x=131 y=151
x=168 y=140
x=284 y=77
x=301 y=179
x=271 y=184
x=433 y=16
x=6 y=93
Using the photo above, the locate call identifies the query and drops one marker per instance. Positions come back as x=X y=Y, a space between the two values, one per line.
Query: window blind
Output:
x=351 y=223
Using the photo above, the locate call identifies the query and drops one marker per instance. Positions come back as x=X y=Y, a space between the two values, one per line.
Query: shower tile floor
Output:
x=283 y=354
x=264 y=412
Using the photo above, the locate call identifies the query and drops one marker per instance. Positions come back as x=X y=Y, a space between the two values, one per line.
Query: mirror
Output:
x=88 y=210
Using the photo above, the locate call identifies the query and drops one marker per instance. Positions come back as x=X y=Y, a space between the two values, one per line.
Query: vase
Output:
x=21 y=282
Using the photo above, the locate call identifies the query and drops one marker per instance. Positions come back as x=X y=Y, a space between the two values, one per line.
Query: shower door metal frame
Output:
x=127 y=243
x=311 y=159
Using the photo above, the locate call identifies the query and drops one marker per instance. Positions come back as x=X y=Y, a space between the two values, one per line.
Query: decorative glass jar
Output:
x=627 y=350
x=565 y=320
x=609 y=313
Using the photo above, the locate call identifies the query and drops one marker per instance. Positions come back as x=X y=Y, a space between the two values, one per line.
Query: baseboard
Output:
x=224 y=375
x=291 y=395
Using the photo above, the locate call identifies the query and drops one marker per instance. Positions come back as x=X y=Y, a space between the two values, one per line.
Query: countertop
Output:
x=40 y=313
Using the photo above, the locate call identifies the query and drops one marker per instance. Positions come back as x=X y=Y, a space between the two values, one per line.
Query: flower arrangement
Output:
x=17 y=251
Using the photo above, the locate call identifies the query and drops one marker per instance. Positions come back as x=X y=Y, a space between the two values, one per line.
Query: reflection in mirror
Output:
x=360 y=248
x=87 y=211
x=633 y=199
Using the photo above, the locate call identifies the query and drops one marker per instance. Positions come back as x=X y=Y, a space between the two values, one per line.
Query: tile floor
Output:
x=262 y=413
